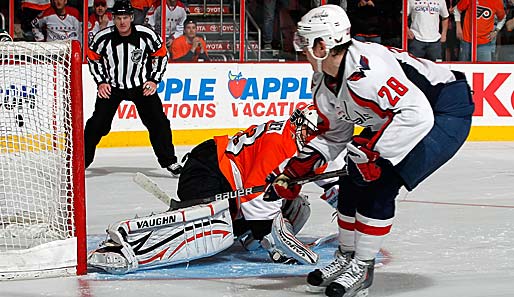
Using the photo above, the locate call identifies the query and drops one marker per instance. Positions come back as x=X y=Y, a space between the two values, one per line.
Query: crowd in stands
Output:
x=437 y=30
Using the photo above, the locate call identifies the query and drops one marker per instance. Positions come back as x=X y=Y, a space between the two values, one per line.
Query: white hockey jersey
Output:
x=175 y=18
x=385 y=89
x=67 y=26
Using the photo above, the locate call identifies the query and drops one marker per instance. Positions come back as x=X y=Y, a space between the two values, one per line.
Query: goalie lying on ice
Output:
x=219 y=165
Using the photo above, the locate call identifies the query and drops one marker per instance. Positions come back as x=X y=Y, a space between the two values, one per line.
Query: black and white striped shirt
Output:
x=127 y=62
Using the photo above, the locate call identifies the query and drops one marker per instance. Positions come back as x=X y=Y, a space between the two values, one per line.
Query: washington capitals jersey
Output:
x=175 y=18
x=58 y=27
x=383 y=89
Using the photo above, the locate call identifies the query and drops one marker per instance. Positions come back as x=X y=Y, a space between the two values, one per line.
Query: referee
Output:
x=127 y=61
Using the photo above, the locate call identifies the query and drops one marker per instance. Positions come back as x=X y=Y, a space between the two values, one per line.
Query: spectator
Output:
x=176 y=14
x=365 y=16
x=270 y=10
x=59 y=22
x=509 y=25
x=506 y=38
x=451 y=47
x=424 y=37
x=91 y=9
x=486 y=30
x=110 y=3
x=100 y=19
x=30 y=9
x=189 y=47
x=141 y=7
x=127 y=62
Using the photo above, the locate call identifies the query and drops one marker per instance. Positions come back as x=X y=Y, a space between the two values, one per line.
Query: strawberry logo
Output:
x=236 y=84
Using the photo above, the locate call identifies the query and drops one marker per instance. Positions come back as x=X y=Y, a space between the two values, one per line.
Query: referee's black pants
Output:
x=151 y=113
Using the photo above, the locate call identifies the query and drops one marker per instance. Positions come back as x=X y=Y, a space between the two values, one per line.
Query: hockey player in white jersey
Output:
x=416 y=115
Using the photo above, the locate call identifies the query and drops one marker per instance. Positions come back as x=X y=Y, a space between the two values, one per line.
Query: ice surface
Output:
x=453 y=235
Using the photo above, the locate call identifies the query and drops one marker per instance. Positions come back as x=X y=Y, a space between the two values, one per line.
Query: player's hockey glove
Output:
x=363 y=163
x=278 y=187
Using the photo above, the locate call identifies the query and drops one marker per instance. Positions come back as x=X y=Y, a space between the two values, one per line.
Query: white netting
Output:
x=36 y=190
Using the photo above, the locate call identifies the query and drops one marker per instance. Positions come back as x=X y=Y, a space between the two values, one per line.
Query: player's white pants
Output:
x=172 y=237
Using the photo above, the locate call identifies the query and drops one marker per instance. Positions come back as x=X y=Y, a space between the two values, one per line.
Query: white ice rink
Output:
x=453 y=236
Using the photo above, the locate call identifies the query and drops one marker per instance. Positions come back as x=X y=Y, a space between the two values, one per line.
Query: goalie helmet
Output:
x=328 y=22
x=305 y=124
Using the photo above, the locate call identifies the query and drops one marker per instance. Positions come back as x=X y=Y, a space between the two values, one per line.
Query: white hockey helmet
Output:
x=305 y=123
x=328 y=22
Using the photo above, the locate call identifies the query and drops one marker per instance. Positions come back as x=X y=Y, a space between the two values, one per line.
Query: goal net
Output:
x=42 y=213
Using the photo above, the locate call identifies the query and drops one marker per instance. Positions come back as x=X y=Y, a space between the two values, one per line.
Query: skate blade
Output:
x=361 y=293
x=314 y=289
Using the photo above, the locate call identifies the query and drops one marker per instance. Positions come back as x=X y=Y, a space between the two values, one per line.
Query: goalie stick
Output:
x=322 y=240
x=174 y=203
x=151 y=187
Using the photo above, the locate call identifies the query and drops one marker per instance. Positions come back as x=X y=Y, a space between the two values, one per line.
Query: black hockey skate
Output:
x=175 y=169
x=319 y=279
x=355 y=280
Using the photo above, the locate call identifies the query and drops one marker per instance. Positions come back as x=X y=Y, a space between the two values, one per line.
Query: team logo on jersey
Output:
x=137 y=54
x=364 y=65
x=236 y=84
x=483 y=12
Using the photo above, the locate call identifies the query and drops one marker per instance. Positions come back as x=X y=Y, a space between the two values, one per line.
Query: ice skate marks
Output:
x=234 y=262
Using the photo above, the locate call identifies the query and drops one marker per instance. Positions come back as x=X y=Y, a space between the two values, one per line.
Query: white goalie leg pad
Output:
x=286 y=241
x=297 y=212
x=175 y=237
x=115 y=255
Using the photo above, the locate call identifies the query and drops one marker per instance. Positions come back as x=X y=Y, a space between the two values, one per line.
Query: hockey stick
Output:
x=151 y=187
x=322 y=240
x=147 y=184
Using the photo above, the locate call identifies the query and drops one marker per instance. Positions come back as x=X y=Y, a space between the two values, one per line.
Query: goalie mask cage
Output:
x=42 y=205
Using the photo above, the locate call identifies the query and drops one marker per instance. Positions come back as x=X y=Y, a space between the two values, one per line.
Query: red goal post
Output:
x=42 y=191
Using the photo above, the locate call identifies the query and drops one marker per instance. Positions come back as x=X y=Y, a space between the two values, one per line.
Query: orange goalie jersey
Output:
x=250 y=155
